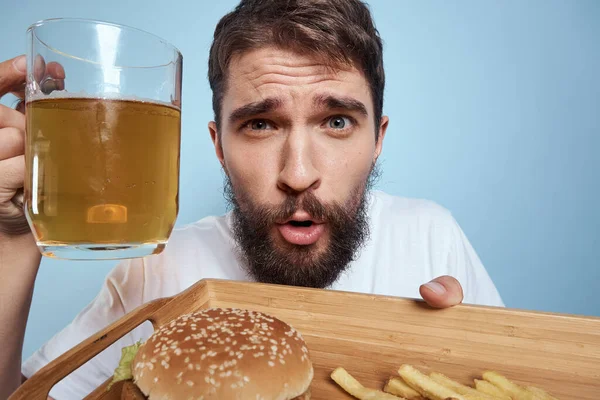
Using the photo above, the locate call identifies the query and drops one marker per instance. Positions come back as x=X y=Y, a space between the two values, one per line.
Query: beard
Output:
x=300 y=265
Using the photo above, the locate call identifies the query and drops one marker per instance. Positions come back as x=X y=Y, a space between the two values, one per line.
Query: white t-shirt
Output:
x=412 y=242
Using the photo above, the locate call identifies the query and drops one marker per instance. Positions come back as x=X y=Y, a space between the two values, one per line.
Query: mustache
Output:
x=307 y=201
x=263 y=217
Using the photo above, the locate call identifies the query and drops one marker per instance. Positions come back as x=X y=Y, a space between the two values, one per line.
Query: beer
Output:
x=101 y=172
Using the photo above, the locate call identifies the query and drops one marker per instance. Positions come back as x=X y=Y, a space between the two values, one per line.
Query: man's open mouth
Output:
x=301 y=231
x=306 y=223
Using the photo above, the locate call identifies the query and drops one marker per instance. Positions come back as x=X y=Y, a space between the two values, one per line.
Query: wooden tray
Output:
x=371 y=336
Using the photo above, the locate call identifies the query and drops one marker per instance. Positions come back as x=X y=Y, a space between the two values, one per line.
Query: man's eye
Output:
x=339 y=122
x=259 y=125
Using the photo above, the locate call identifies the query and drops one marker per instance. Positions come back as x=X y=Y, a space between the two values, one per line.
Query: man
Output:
x=298 y=97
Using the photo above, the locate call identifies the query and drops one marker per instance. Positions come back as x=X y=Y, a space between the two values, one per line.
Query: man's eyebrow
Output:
x=252 y=109
x=340 y=103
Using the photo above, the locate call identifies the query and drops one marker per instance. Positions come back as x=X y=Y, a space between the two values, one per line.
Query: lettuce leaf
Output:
x=123 y=371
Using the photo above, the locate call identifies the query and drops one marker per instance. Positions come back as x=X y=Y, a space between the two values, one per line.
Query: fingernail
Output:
x=48 y=87
x=20 y=64
x=436 y=287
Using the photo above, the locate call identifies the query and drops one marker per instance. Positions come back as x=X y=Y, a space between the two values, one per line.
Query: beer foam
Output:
x=64 y=94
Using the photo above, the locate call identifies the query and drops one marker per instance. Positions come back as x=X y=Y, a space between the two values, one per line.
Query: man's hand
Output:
x=12 y=161
x=442 y=292
x=12 y=138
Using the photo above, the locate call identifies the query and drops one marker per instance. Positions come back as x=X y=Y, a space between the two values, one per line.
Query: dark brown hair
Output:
x=339 y=32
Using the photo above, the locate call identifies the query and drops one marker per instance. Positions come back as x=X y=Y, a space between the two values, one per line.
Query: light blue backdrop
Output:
x=495 y=114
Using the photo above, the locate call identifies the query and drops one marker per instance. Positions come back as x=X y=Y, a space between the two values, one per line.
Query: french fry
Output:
x=491 y=389
x=515 y=391
x=468 y=392
x=540 y=393
x=425 y=385
x=412 y=384
x=398 y=387
x=353 y=387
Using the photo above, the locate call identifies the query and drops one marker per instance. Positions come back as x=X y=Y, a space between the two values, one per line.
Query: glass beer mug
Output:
x=103 y=109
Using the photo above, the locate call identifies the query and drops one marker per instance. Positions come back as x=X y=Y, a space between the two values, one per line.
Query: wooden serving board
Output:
x=371 y=336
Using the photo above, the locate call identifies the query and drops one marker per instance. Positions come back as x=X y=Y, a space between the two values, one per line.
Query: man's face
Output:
x=297 y=143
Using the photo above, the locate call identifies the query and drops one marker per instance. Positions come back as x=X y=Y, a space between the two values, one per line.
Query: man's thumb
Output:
x=12 y=75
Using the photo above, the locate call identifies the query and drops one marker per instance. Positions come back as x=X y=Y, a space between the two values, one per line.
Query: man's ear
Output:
x=216 y=139
x=382 y=129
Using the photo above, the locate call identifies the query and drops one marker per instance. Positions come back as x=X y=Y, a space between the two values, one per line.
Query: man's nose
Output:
x=298 y=172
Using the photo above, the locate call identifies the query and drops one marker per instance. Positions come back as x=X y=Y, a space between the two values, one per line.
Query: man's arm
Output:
x=19 y=263
x=19 y=256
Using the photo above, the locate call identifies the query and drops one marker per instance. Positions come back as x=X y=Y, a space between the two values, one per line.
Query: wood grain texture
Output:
x=39 y=385
x=371 y=336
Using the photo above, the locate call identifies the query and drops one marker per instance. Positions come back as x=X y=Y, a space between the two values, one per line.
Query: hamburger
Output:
x=220 y=353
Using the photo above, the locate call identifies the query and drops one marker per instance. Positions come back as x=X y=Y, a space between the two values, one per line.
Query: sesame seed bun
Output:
x=224 y=354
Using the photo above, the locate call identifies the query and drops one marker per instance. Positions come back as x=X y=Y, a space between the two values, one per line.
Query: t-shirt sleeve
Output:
x=477 y=285
x=121 y=292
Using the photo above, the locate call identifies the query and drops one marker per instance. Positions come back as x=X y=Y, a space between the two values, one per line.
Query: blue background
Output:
x=495 y=114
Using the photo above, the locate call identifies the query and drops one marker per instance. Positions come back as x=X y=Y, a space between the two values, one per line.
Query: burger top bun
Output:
x=224 y=354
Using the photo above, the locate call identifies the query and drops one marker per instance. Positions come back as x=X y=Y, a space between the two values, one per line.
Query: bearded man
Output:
x=298 y=128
